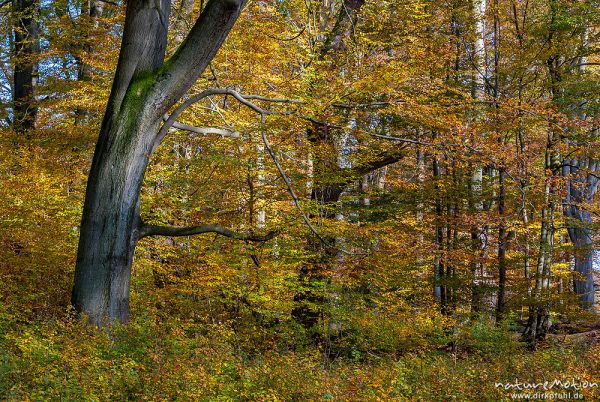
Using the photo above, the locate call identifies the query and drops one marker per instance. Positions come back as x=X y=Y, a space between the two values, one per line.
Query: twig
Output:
x=288 y=182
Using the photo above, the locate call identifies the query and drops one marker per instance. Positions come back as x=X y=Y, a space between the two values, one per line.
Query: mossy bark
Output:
x=144 y=89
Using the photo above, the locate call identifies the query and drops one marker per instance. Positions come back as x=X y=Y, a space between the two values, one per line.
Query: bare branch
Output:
x=288 y=183
x=290 y=38
x=171 y=121
x=398 y=139
x=173 y=231
x=207 y=130
x=276 y=100
x=371 y=105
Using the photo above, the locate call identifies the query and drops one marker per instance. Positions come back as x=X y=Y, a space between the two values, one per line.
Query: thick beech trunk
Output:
x=581 y=190
x=143 y=91
x=582 y=184
x=110 y=224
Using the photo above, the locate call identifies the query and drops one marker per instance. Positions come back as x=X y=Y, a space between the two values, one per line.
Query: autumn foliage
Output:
x=426 y=172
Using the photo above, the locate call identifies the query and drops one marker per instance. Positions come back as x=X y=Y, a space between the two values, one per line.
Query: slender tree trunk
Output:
x=502 y=232
x=476 y=180
x=94 y=10
x=420 y=206
x=25 y=76
x=502 y=247
x=539 y=312
x=523 y=172
x=438 y=262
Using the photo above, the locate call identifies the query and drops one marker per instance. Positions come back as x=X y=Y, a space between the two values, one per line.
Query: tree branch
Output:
x=173 y=231
x=207 y=130
x=384 y=159
x=371 y=105
x=276 y=100
x=288 y=183
x=171 y=121
x=196 y=52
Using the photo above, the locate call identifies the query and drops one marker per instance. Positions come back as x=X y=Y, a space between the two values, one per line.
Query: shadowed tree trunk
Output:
x=440 y=288
x=539 y=321
x=582 y=183
x=144 y=89
x=26 y=37
x=94 y=10
x=325 y=192
x=581 y=188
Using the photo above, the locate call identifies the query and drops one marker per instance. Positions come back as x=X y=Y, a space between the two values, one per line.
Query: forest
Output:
x=299 y=200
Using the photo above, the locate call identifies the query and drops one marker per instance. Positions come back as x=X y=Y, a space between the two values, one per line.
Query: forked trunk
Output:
x=143 y=91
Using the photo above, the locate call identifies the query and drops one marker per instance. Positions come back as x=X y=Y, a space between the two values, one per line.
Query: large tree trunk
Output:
x=539 y=311
x=143 y=91
x=25 y=64
x=582 y=183
x=109 y=228
x=581 y=190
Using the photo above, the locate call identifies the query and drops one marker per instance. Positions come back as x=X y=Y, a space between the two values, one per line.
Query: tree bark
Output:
x=439 y=272
x=581 y=188
x=25 y=76
x=478 y=90
x=502 y=247
x=143 y=90
x=94 y=10
x=539 y=321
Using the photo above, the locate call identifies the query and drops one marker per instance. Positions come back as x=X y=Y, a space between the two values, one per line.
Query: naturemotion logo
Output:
x=561 y=389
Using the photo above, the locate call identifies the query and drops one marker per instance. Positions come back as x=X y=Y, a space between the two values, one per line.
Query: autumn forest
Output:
x=299 y=200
